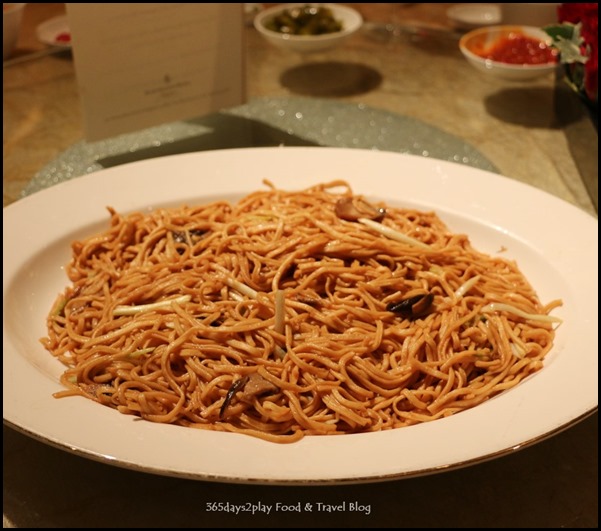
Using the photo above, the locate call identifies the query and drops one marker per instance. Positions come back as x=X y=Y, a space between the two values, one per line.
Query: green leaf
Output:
x=559 y=30
x=567 y=41
x=569 y=52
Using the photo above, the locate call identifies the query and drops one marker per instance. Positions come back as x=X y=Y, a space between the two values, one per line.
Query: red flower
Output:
x=588 y=16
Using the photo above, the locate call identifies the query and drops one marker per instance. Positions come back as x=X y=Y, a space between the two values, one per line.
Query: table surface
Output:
x=519 y=127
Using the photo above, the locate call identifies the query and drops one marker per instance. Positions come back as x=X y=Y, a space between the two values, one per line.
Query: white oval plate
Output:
x=49 y=31
x=471 y=16
x=554 y=243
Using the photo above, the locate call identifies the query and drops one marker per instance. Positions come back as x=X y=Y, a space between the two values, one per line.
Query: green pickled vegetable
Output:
x=307 y=20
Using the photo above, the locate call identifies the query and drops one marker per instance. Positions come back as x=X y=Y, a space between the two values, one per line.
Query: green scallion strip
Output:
x=280 y=319
x=140 y=352
x=131 y=310
x=466 y=286
x=240 y=287
x=280 y=311
x=393 y=234
x=59 y=310
x=517 y=351
x=280 y=352
x=501 y=307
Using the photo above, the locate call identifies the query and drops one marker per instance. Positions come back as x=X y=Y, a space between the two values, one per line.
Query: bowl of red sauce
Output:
x=510 y=52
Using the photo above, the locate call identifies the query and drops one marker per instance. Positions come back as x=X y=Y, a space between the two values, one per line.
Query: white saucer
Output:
x=53 y=30
x=470 y=16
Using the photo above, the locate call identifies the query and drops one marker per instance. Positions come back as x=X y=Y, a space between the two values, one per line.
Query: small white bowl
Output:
x=476 y=43
x=350 y=19
x=472 y=16
x=11 y=25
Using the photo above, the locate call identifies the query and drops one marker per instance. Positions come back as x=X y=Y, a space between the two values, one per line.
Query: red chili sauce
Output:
x=520 y=49
x=63 y=37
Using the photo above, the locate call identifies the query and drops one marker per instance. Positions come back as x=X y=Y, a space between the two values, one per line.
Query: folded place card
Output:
x=141 y=65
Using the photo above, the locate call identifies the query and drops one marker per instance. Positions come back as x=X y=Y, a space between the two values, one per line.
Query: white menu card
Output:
x=141 y=65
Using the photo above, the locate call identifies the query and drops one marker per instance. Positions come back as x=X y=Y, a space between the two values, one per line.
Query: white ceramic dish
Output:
x=350 y=19
x=554 y=243
x=54 y=32
x=481 y=39
x=471 y=16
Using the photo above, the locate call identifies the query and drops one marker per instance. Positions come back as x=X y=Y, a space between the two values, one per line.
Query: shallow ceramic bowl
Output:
x=350 y=19
x=11 y=25
x=477 y=42
x=472 y=16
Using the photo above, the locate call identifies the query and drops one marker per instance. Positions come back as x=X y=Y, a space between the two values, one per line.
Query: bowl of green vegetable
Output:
x=307 y=27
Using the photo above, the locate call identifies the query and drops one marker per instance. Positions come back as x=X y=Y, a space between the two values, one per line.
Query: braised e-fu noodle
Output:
x=293 y=313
